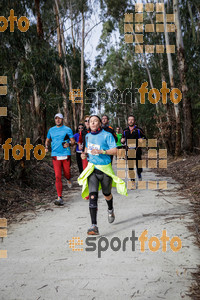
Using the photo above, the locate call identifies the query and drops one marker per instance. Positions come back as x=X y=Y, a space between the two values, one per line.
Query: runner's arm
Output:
x=112 y=151
x=142 y=136
x=71 y=137
x=47 y=144
x=123 y=139
x=72 y=143
x=72 y=140
x=142 y=133
x=84 y=154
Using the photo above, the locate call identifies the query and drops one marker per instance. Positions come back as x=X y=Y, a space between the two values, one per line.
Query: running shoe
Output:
x=93 y=230
x=111 y=216
x=59 y=201
x=69 y=184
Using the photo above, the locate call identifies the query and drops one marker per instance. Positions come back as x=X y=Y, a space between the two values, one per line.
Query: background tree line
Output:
x=44 y=64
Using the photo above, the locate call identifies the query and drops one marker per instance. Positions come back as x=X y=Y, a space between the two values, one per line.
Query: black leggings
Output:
x=93 y=181
x=79 y=162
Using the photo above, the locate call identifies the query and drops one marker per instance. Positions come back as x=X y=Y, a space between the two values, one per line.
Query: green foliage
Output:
x=118 y=65
x=37 y=63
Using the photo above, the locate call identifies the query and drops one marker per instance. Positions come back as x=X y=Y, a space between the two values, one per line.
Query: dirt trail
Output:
x=40 y=264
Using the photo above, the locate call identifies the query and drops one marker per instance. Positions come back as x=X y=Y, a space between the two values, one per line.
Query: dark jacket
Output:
x=136 y=133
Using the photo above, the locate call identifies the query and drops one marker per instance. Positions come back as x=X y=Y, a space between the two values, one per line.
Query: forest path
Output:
x=40 y=264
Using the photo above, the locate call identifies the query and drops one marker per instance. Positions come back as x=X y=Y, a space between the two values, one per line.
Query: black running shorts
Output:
x=106 y=182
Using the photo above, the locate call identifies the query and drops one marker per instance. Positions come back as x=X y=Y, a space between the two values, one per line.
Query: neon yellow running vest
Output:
x=107 y=169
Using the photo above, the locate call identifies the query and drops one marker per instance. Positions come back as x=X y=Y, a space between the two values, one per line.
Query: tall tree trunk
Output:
x=176 y=106
x=62 y=70
x=69 y=80
x=39 y=20
x=169 y=113
x=82 y=66
x=159 y=119
x=192 y=21
x=61 y=50
x=19 y=108
x=159 y=124
x=187 y=110
x=40 y=132
x=72 y=28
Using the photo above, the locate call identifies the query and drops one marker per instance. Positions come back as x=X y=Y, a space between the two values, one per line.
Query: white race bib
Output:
x=62 y=157
x=91 y=147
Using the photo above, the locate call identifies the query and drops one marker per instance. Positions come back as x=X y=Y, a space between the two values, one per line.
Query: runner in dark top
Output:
x=108 y=128
x=136 y=133
x=82 y=141
x=85 y=130
x=78 y=148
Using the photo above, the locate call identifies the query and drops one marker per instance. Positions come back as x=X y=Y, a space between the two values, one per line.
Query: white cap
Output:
x=59 y=115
